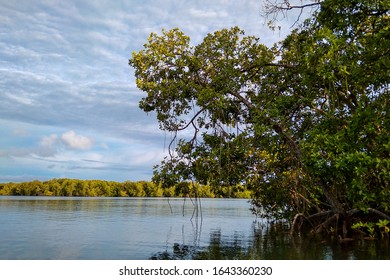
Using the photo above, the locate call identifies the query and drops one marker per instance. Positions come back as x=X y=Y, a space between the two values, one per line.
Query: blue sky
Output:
x=69 y=104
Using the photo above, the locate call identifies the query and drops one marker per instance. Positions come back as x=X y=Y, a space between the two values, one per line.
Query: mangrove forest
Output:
x=304 y=124
x=101 y=188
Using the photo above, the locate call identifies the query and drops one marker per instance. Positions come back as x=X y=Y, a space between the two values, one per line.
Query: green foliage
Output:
x=381 y=226
x=302 y=125
x=88 y=188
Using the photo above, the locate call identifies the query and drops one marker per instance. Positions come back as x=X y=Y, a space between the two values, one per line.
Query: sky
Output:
x=68 y=99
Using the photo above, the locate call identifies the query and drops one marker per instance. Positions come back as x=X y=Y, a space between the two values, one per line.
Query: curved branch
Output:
x=309 y=218
x=371 y=210
x=171 y=143
x=246 y=102
x=274 y=8
x=295 y=221
x=379 y=213
x=286 y=6
x=326 y=223
x=320 y=214
x=275 y=126
x=290 y=7
x=191 y=121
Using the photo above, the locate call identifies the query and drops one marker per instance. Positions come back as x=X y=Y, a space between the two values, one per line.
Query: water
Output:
x=154 y=228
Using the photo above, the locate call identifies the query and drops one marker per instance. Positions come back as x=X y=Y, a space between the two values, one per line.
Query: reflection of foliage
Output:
x=223 y=250
x=180 y=252
x=274 y=242
x=217 y=250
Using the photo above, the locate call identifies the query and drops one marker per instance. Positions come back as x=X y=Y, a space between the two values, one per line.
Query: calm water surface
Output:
x=154 y=228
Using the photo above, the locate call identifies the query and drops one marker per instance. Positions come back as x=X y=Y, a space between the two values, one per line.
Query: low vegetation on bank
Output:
x=84 y=188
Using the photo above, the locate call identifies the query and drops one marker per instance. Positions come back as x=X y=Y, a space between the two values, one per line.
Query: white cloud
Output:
x=74 y=141
x=207 y=14
x=49 y=141
x=69 y=140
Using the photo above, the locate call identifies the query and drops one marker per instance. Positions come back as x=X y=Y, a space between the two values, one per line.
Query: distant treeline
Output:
x=75 y=187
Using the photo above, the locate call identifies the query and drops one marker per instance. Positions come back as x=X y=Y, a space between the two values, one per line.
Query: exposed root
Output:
x=325 y=224
x=319 y=215
x=295 y=221
x=300 y=218
x=308 y=219
x=379 y=213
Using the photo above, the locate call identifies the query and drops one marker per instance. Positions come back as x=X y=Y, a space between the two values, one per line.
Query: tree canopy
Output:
x=303 y=124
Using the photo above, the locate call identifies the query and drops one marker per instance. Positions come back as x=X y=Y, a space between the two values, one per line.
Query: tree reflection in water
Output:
x=273 y=242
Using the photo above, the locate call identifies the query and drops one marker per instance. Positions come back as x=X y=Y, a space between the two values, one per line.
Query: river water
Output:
x=155 y=228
